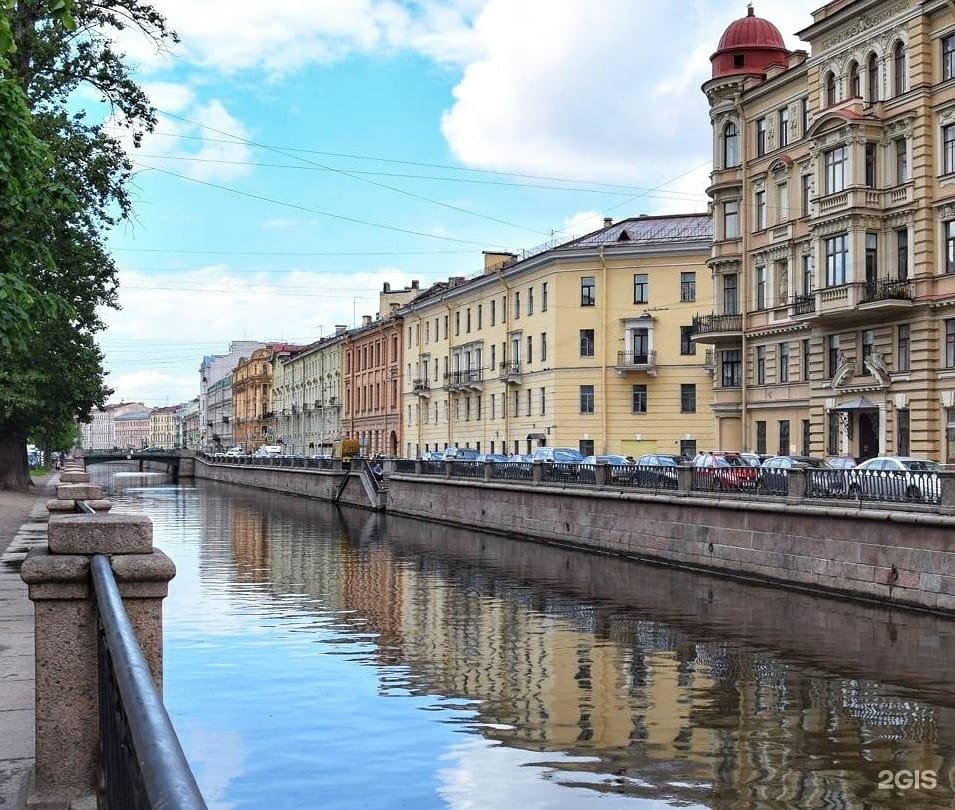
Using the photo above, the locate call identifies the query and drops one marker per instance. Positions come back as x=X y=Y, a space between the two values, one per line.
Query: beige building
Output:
x=307 y=396
x=132 y=430
x=100 y=432
x=833 y=264
x=162 y=427
x=252 y=399
x=584 y=345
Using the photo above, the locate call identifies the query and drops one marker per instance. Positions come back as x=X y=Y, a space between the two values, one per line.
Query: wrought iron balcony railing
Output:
x=887 y=289
x=803 y=304
x=706 y=324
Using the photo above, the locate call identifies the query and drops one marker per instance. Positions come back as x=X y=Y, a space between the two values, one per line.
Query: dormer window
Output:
x=730 y=146
x=739 y=60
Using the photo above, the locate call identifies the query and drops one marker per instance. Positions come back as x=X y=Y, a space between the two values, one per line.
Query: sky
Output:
x=309 y=150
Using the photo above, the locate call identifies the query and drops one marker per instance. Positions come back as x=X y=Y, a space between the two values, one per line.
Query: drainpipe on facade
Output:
x=604 y=295
x=450 y=355
x=744 y=271
x=504 y=360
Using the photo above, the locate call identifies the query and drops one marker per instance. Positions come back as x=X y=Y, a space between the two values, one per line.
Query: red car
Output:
x=723 y=471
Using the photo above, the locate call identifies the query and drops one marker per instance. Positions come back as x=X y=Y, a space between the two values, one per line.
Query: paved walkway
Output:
x=22 y=526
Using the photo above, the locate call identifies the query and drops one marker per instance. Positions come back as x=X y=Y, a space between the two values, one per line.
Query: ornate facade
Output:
x=833 y=264
x=251 y=399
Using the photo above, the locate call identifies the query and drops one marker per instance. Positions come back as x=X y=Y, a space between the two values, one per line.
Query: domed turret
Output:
x=748 y=45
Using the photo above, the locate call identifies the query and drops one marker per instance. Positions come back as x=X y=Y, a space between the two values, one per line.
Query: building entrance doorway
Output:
x=868 y=434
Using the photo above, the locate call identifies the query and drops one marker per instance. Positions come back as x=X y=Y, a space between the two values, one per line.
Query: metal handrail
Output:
x=166 y=778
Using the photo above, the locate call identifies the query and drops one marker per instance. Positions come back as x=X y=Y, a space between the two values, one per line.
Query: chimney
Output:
x=455 y=281
x=386 y=287
x=414 y=284
x=366 y=320
x=340 y=328
x=494 y=261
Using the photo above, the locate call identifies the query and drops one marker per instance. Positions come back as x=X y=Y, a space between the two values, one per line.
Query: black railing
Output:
x=432 y=467
x=887 y=289
x=705 y=324
x=893 y=486
x=421 y=385
x=474 y=375
x=404 y=465
x=512 y=470
x=144 y=767
x=803 y=304
x=646 y=359
x=467 y=469
x=510 y=370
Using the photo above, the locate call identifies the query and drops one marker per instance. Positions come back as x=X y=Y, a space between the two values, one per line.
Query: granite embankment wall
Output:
x=900 y=558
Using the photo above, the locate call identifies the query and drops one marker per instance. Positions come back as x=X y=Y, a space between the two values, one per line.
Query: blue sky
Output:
x=310 y=150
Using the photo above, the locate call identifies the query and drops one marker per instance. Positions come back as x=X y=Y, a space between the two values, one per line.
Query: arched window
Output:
x=872 y=77
x=855 y=89
x=830 y=88
x=730 y=146
x=898 y=62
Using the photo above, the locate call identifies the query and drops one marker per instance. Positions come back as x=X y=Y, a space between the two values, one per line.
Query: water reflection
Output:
x=318 y=658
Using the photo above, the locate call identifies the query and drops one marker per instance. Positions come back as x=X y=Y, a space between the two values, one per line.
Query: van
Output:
x=269 y=450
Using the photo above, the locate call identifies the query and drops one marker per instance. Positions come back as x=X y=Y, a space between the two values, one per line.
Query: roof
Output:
x=749 y=46
x=656 y=230
x=751 y=32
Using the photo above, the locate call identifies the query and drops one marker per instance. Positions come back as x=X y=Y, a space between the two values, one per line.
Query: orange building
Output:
x=252 y=399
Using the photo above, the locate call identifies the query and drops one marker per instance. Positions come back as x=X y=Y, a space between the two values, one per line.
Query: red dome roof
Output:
x=748 y=45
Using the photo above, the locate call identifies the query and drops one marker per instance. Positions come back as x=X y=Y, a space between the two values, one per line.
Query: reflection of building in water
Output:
x=618 y=665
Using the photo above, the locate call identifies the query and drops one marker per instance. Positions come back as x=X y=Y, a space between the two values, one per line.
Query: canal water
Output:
x=317 y=658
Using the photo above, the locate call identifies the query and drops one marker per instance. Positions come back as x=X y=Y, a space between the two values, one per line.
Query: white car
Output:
x=896 y=478
x=235 y=451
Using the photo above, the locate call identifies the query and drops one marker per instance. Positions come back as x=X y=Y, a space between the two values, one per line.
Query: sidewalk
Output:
x=22 y=526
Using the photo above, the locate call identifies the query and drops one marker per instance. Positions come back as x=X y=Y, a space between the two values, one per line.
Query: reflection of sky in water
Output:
x=311 y=663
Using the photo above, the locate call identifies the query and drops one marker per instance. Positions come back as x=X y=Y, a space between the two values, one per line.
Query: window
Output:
x=837 y=259
x=480 y=312
x=688 y=286
x=903 y=337
x=467 y=327
x=640 y=345
x=688 y=398
x=517 y=305
x=730 y=146
x=804 y=113
x=805 y=360
x=833 y=433
x=544 y=297
x=530 y=349
x=872 y=77
x=784 y=437
x=835 y=161
x=588 y=295
x=871 y=258
x=760 y=365
x=760 y=288
x=898 y=63
x=493 y=312
x=948 y=149
x=950 y=247
x=950 y=343
x=870 y=167
x=687 y=346
x=784 y=127
x=902 y=254
x=760 y=210
x=586 y=399
x=585 y=447
x=760 y=436
x=586 y=342
x=806 y=435
x=504 y=309
x=808 y=271
x=948 y=57
x=830 y=89
x=641 y=288
x=782 y=202
x=783 y=356
x=639 y=394
x=901 y=161
x=832 y=354
x=530 y=300
x=731 y=219
x=731 y=368
x=493 y=406
x=730 y=294
x=529 y=396
x=760 y=136
x=902 y=431
x=855 y=88
x=457 y=322
x=805 y=193
x=868 y=344
x=543 y=401
x=543 y=347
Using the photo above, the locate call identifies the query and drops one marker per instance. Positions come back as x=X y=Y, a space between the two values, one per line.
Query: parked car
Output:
x=559 y=454
x=234 y=451
x=774 y=474
x=495 y=457
x=896 y=478
x=620 y=469
x=842 y=462
x=460 y=454
x=657 y=470
x=724 y=471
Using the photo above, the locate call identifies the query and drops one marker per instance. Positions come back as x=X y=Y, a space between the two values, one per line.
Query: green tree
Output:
x=69 y=189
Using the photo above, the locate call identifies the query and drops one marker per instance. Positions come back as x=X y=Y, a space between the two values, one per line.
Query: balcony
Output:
x=511 y=374
x=472 y=379
x=801 y=305
x=716 y=328
x=863 y=300
x=887 y=292
x=422 y=387
x=628 y=362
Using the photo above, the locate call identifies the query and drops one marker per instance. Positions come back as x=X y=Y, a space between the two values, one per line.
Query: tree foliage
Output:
x=64 y=182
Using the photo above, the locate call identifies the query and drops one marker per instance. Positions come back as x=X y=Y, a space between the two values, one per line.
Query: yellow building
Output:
x=833 y=264
x=162 y=427
x=252 y=398
x=584 y=345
